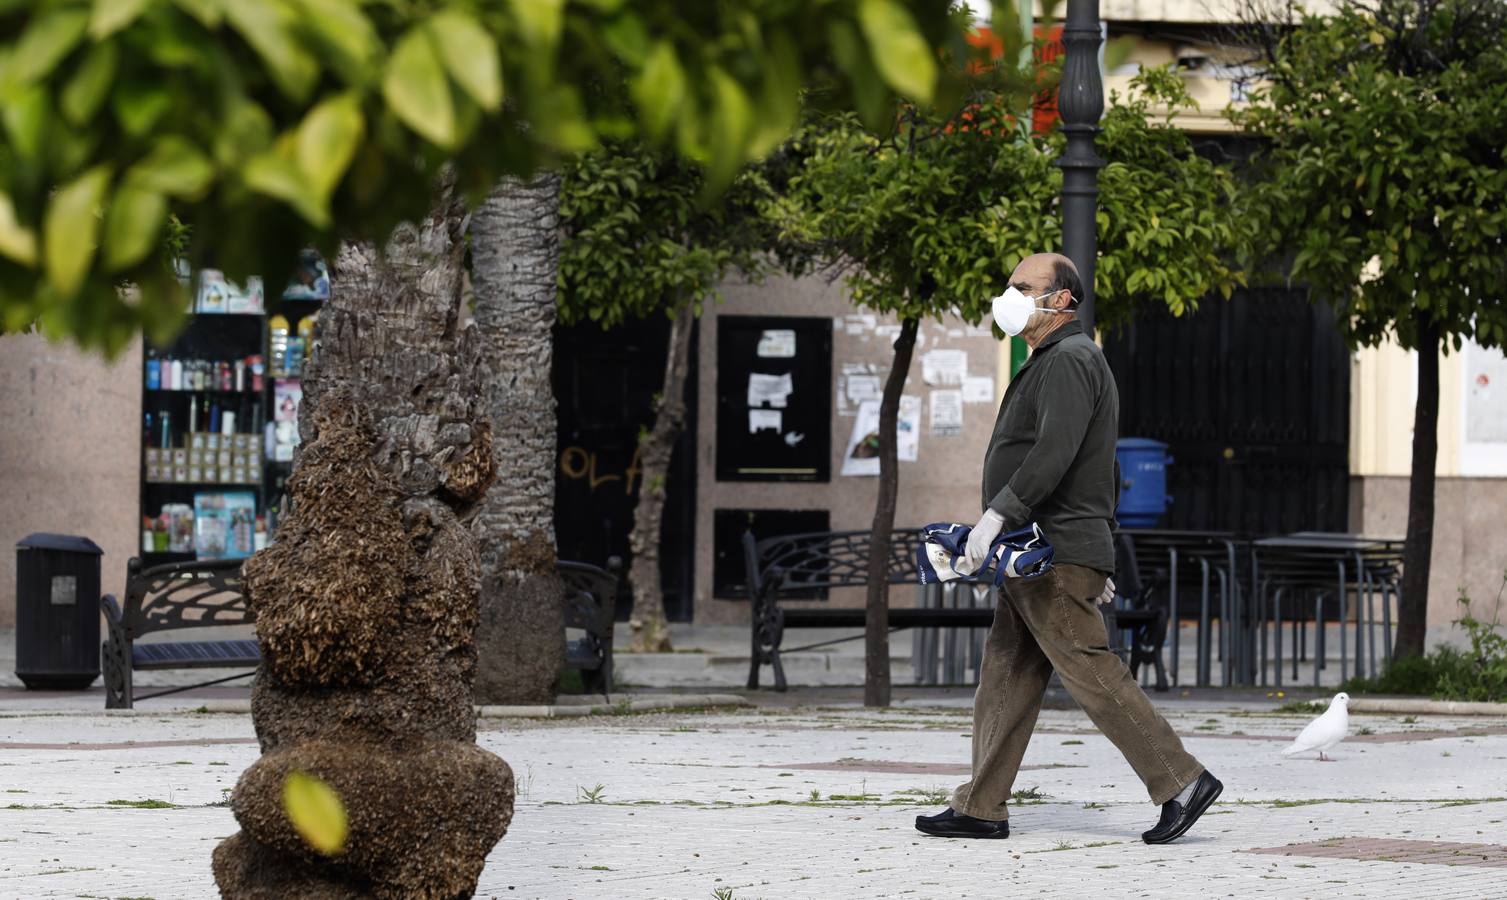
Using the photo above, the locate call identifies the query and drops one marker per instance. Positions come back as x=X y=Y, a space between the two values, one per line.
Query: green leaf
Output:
x=899 y=51
x=138 y=105
x=659 y=90
x=733 y=121
x=82 y=96
x=279 y=178
x=26 y=119
x=70 y=229
x=779 y=97
x=540 y=21
x=347 y=36
x=208 y=12
x=414 y=86
x=626 y=36
x=316 y=812
x=110 y=16
x=266 y=27
x=327 y=140
x=17 y=242
x=45 y=42
x=133 y=221
x=470 y=53
x=175 y=167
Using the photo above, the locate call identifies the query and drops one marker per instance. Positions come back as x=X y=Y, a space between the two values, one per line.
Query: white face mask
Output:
x=1012 y=310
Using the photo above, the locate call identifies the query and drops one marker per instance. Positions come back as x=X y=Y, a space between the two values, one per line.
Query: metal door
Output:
x=1252 y=395
x=605 y=383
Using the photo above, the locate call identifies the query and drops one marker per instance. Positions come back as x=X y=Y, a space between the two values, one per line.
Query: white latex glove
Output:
x=979 y=541
x=1109 y=592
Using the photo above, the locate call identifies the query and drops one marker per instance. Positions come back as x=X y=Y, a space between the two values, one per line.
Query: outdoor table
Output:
x=1321 y=561
x=1214 y=553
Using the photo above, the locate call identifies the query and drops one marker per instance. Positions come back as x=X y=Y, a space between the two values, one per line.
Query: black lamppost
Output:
x=1080 y=103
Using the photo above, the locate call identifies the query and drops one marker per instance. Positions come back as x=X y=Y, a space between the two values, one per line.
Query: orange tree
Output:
x=270 y=125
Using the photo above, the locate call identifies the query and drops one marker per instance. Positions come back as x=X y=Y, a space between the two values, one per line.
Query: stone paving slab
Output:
x=804 y=802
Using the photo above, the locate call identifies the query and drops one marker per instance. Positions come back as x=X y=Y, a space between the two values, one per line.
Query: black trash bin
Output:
x=57 y=612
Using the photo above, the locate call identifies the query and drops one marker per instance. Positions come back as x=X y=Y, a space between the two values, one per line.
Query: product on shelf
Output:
x=311 y=279
x=277 y=342
x=219 y=295
x=224 y=524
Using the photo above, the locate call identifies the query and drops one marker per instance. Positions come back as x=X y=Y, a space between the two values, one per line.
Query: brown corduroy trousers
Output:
x=1047 y=623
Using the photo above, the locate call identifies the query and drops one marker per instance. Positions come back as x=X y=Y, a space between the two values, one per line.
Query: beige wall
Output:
x=1469 y=552
x=69 y=453
x=942 y=485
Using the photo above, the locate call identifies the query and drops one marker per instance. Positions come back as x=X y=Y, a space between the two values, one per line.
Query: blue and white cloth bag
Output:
x=1024 y=553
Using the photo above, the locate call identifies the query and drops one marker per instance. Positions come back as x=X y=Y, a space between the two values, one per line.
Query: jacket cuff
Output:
x=1016 y=514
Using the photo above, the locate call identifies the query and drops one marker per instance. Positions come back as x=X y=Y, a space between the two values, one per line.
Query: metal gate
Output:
x=606 y=383
x=1252 y=395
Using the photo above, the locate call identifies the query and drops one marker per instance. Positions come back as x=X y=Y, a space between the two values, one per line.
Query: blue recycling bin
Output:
x=1143 y=482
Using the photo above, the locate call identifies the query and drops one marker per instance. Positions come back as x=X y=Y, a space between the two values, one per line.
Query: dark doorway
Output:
x=1252 y=395
x=606 y=382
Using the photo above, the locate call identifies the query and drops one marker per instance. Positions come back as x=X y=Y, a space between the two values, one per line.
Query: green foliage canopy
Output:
x=268 y=125
x=1386 y=177
x=640 y=240
x=933 y=219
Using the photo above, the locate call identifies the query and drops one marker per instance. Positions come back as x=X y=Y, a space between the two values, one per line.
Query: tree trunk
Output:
x=366 y=602
x=1412 y=613
x=515 y=248
x=876 y=638
x=651 y=631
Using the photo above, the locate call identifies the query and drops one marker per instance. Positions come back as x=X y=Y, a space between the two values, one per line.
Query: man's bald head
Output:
x=1048 y=273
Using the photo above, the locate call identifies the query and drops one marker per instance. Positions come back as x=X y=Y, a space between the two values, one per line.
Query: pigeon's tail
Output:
x=1293 y=748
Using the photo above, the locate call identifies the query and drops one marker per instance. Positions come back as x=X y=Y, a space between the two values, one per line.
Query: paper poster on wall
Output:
x=764 y=420
x=946 y=413
x=908 y=428
x=862 y=387
x=861 y=456
x=860 y=324
x=773 y=390
x=978 y=389
x=847 y=400
x=776 y=344
x=944 y=366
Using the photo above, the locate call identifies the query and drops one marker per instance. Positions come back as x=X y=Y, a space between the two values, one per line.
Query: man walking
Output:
x=1051 y=460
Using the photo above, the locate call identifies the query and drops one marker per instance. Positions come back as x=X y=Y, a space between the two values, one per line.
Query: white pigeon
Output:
x=1325 y=731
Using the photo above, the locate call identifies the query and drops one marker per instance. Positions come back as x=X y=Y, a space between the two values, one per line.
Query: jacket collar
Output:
x=1071 y=328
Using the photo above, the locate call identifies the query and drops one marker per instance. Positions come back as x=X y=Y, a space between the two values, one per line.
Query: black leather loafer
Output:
x=1177 y=818
x=956 y=825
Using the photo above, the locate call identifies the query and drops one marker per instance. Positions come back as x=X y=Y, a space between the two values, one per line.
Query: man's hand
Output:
x=1108 y=596
x=979 y=541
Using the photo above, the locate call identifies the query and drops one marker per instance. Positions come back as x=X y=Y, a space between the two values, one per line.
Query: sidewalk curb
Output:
x=550 y=711
x=645 y=704
x=1420 y=706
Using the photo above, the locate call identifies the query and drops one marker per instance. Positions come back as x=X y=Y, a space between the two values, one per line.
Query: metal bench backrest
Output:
x=590 y=595
x=184 y=595
x=806 y=564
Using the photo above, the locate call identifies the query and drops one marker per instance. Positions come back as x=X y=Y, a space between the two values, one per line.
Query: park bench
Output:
x=591 y=606
x=203 y=593
x=1137 y=627
x=806 y=567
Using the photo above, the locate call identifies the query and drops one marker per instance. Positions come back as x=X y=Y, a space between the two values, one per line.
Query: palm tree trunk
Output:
x=366 y=602
x=515 y=248
x=651 y=631
x=876 y=639
x=1413 y=609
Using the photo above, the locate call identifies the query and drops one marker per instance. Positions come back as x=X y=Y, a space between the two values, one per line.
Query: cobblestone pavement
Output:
x=809 y=802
